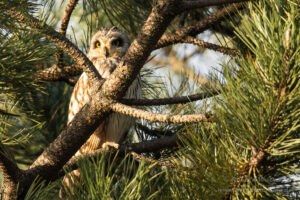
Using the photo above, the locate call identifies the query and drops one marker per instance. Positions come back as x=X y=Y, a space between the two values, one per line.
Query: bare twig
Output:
x=201 y=43
x=66 y=18
x=168 y=101
x=63 y=28
x=156 y=117
x=206 y=23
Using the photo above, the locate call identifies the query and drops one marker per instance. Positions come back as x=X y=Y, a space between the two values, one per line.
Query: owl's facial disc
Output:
x=109 y=43
x=109 y=47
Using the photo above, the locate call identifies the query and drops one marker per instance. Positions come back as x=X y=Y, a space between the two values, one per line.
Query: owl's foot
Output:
x=108 y=145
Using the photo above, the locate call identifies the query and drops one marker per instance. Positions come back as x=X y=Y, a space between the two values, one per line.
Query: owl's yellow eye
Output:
x=97 y=44
x=118 y=42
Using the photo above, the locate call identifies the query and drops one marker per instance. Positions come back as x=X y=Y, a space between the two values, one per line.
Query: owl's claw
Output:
x=108 y=145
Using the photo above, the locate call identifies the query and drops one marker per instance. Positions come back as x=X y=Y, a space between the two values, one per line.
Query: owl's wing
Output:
x=80 y=96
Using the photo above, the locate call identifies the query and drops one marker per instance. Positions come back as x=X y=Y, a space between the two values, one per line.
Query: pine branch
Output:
x=206 y=23
x=201 y=43
x=189 y=5
x=168 y=101
x=156 y=117
x=59 y=74
x=61 y=41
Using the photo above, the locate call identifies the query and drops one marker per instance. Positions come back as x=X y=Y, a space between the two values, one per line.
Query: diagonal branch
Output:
x=206 y=23
x=168 y=101
x=156 y=117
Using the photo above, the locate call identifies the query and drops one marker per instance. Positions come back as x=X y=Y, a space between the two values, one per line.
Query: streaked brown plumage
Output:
x=106 y=50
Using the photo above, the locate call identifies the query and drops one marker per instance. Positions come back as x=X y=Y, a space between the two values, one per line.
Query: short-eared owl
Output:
x=107 y=47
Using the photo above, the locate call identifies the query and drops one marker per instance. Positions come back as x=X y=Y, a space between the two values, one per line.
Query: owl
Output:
x=107 y=47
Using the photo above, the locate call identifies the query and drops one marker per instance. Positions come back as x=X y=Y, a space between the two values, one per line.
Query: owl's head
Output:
x=109 y=43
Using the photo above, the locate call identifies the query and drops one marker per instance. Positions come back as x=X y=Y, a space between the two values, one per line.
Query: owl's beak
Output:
x=106 y=52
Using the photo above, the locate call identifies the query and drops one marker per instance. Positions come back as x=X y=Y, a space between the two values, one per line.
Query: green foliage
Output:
x=110 y=177
x=26 y=104
x=258 y=110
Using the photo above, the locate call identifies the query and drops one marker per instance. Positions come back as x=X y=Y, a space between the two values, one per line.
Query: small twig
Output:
x=206 y=23
x=156 y=117
x=168 y=101
x=153 y=161
x=259 y=71
x=201 y=43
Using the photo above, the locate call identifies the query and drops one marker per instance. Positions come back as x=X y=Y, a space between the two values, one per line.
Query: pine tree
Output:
x=236 y=137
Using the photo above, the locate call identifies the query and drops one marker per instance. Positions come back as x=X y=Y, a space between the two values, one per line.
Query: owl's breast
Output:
x=105 y=66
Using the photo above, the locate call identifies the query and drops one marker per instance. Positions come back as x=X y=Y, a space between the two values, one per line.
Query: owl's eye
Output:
x=117 y=42
x=97 y=44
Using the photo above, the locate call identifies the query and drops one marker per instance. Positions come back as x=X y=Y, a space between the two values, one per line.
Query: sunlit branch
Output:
x=55 y=73
x=156 y=117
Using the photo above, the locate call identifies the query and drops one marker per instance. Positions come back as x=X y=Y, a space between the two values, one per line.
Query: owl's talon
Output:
x=108 y=145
